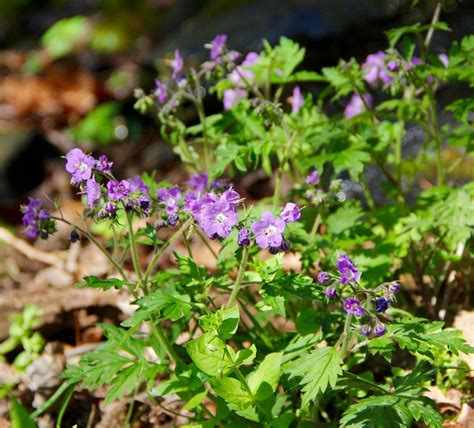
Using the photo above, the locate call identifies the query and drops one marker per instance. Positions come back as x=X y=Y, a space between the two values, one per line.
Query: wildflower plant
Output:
x=215 y=338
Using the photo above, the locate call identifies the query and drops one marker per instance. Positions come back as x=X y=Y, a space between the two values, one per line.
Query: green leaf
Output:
x=196 y=400
x=64 y=35
x=232 y=391
x=264 y=381
x=19 y=416
x=229 y=322
x=104 y=284
x=319 y=370
x=347 y=216
x=209 y=354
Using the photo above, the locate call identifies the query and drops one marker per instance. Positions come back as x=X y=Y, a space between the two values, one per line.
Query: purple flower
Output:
x=366 y=330
x=379 y=330
x=251 y=59
x=199 y=182
x=79 y=165
x=394 y=287
x=37 y=220
x=323 y=277
x=330 y=292
x=161 y=91
x=137 y=185
x=177 y=64
x=217 y=46
x=118 y=190
x=74 y=236
x=393 y=66
x=240 y=74
x=347 y=269
x=172 y=220
x=243 y=239
x=297 y=100
x=313 y=177
x=92 y=192
x=218 y=218
x=268 y=231
x=444 y=59
x=357 y=106
x=290 y=213
x=381 y=304
x=103 y=164
x=352 y=306
x=231 y=197
x=374 y=69
x=285 y=245
x=170 y=197
x=231 y=97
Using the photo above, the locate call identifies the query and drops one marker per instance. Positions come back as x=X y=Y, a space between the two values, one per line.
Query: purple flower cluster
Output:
x=375 y=69
x=170 y=198
x=357 y=105
x=297 y=100
x=344 y=288
x=37 y=220
x=312 y=178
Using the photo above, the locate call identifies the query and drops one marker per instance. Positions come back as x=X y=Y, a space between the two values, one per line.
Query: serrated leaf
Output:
x=319 y=370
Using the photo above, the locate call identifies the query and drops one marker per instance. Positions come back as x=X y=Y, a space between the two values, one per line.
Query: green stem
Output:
x=282 y=166
x=204 y=240
x=314 y=229
x=163 y=341
x=437 y=138
x=344 y=339
x=133 y=249
x=202 y=117
x=240 y=275
x=164 y=248
x=96 y=243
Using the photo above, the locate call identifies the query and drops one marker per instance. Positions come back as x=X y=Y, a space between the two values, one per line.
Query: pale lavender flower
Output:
x=217 y=46
x=199 y=182
x=79 y=165
x=118 y=190
x=161 y=91
x=241 y=73
x=313 y=177
x=177 y=64
x=356 y=105
x=170 y=197
x=218 y=218
x=92 y=191
x=352 y=306
x=231 y=97
x=444 y=59
x=374 y=69
x=297 y=100
x=137 y=185
x=268 y=231
x=290 y=213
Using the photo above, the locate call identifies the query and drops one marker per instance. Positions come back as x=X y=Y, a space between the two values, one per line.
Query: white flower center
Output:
x=221 y=218
x=81 y=166
x=271 y=230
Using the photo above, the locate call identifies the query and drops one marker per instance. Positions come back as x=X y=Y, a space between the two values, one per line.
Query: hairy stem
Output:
x=240 y=275
x=159 y=335
x=133 y=250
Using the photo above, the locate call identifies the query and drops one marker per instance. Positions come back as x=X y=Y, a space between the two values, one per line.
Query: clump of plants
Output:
x=215 y=338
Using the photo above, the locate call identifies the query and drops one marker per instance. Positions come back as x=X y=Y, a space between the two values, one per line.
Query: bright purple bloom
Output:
x=170 y=197
x=366 y=330
x=381 y=304
x=43 y=214
x=444 y=59
x=177 y=64
x=218 y=218
x=393 y=66
x=199 y=182
x=231 y=97
x=161 y=91
x=217 y=46
x=357 y=106
x=118 y=190
x=352 y=306
x=379 y=330
x=347 y=269
x=330 y=292
x=313 y=177
x=290 y=213
x=137 y=185
x=323 y=277
x=92 y=192
x=37 y=220
x=268 y=231
x=231 y=197
x=103 y=164
x=244 y=238
x=79 y=165
x=297 y=100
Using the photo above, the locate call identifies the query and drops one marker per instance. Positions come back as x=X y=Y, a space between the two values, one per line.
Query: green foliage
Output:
x=65 y=35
